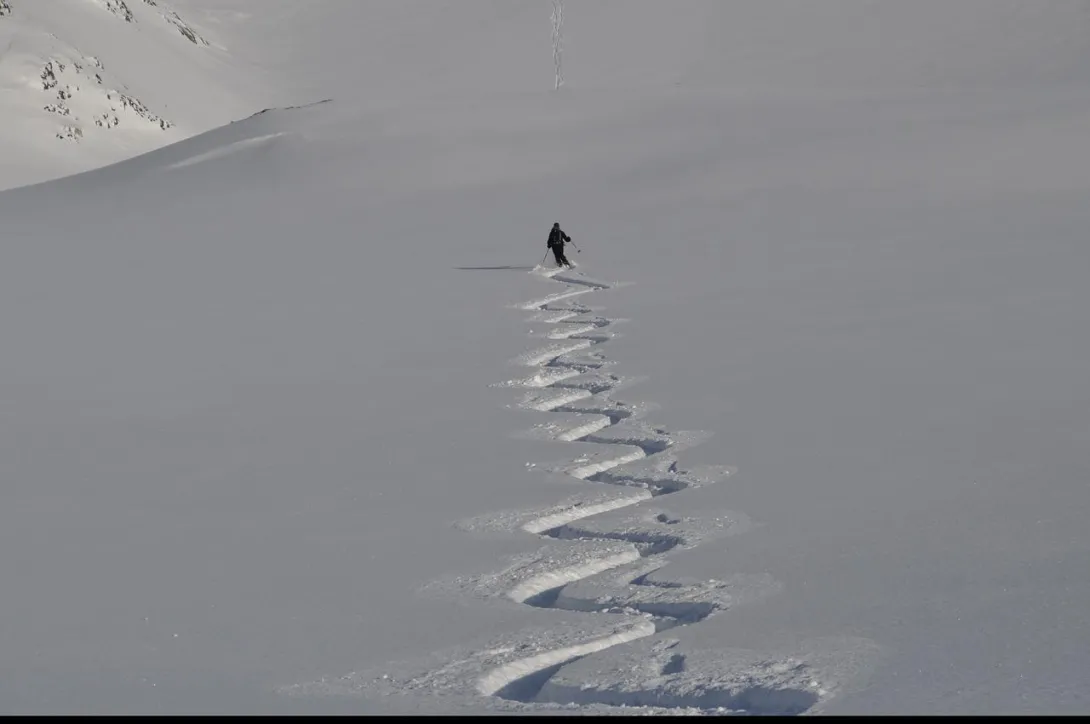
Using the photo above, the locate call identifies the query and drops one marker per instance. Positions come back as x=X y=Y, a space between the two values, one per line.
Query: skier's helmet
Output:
x=556 y=225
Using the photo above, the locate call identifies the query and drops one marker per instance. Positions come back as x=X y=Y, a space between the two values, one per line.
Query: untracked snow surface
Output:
x=295 y=421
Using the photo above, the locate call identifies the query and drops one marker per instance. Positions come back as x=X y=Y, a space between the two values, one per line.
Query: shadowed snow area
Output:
x=294 y=420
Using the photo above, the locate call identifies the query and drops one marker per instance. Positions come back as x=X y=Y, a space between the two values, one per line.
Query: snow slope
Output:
x=197 y=64
x=390 y=50
x=90 y=82
x=293 y=422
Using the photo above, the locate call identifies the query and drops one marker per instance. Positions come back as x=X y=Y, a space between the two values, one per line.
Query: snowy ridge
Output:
x=88 y=83
x=77 y=81
x=604 y=556
x=83 y=97
x=121 y=9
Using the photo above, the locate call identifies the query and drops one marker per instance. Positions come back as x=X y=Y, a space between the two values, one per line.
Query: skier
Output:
x=556 y=243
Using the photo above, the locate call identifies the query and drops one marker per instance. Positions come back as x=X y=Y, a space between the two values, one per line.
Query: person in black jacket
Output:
x=556 y=243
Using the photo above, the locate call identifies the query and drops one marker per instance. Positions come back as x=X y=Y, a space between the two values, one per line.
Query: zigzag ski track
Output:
x=603 y=554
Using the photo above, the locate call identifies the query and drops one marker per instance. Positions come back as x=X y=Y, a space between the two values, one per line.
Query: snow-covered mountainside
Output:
x=299 y=416
x=90 y=82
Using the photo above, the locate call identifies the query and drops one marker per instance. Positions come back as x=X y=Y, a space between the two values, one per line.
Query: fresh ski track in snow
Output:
x=608 y=566
x=621 y=549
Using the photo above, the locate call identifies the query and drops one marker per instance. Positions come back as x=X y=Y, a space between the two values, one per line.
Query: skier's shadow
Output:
x=495 y=268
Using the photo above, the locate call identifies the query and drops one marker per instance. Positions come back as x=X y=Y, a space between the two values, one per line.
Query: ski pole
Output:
x=576 y=247
x=544 y=257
